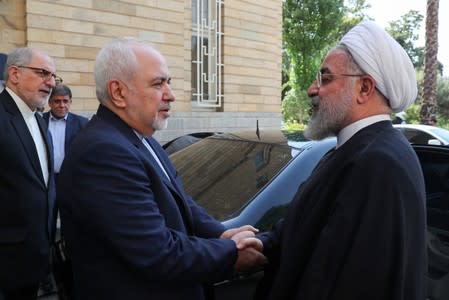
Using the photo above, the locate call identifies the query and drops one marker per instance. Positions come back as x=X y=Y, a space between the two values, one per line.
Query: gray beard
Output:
x=159 y=123
x=327 y=119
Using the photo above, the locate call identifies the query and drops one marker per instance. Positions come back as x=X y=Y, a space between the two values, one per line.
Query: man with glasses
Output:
x=356 y=228
x=27 y=190
x=63 y=124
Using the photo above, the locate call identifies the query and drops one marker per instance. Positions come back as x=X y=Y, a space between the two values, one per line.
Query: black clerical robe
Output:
x=356 y=228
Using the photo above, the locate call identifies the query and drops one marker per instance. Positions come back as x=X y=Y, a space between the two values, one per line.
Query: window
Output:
x=207 y=66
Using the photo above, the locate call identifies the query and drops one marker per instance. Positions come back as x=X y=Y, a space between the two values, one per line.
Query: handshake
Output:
x=249 y=248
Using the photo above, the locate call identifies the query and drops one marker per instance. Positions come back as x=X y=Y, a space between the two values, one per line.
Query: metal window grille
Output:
x=207 y=65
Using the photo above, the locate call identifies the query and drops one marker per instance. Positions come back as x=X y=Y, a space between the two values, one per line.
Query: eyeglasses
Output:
x=325 y=78
x=42 y=73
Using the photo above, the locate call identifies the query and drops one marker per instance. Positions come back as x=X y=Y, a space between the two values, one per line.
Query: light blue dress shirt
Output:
x=57 y=130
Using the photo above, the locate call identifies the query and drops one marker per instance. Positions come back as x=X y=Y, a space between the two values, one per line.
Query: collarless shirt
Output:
x=57 y=130
x=346 y=133
x=31 y=122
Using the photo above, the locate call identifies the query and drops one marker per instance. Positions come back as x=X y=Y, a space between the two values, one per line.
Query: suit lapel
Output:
x=170 y=183
x=68 y=132
x=25 y=137
x=51 y=206
x=47 y=140
x=173 y=184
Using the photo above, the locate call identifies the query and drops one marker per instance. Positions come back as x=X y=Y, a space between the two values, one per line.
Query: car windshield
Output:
x=222 y=173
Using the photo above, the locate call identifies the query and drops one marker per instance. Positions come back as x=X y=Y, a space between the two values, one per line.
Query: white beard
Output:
x=327 y=119
x=160 y=123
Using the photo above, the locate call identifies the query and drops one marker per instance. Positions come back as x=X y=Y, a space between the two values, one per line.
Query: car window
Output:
x=435 y=167
x=416 y=136
x=441 y=132
x=222 y=175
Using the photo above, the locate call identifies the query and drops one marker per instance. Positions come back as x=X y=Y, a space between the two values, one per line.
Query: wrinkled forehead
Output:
x=149 y=58
x=42 y=60
x=336 y=61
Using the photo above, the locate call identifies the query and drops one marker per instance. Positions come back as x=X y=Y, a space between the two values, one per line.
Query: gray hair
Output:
x=116 y=61
x=18 y=57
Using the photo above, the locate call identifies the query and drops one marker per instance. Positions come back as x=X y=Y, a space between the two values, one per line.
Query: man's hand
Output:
x=249 y=259
x=249 y=248
x=233 y=231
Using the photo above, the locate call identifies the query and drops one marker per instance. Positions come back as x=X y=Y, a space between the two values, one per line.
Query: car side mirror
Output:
x=434 y=142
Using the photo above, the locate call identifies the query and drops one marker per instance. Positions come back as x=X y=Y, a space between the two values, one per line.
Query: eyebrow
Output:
x=163 y=78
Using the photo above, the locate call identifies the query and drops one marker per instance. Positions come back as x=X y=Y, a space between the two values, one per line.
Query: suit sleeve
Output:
x=205 y=225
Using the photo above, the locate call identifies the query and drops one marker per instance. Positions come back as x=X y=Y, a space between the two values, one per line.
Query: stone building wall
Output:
x=73 y=31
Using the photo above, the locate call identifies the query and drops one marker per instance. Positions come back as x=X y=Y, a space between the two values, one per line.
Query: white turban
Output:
x=381 y=57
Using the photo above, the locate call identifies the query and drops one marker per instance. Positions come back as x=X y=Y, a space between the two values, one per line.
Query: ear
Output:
x=367 y=89
x=13 y=74
x=117 y=91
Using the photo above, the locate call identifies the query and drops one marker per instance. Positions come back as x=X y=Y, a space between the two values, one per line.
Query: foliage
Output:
x=412 y=113
x=354 y=13
x=293 y=126
x=295 y=106
x=404 y=31
x=310 y=27
x=286 y=67
x=443 y=98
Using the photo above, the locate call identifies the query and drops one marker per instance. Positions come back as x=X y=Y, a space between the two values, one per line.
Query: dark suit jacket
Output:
x=132 y=232
x=26 y=204
x=74 y=124
x=356 y=228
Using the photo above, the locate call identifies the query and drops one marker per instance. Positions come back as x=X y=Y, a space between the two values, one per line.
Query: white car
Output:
x=424 y=134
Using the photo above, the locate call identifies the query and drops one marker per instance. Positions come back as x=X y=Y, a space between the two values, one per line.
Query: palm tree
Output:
x=429 y=104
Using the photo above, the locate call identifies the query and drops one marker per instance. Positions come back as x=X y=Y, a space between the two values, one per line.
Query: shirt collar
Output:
x=138 y=135
x=56 y=119
x=24 y=109
x=346 y=133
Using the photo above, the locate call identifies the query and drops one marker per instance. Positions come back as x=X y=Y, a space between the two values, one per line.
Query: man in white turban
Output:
x=356 y=228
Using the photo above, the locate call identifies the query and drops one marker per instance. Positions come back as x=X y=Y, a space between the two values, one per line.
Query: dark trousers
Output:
x=24 y=293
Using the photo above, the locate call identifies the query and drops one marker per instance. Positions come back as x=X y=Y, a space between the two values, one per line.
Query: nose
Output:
x=313 y=89
x=51 y=81
x=169 y=95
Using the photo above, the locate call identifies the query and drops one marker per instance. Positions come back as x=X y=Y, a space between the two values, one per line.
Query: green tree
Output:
x=309 y=28
x=355 y=12
x=442 y=91
x=404 y=31
x=286 y=70
x=296 y=106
